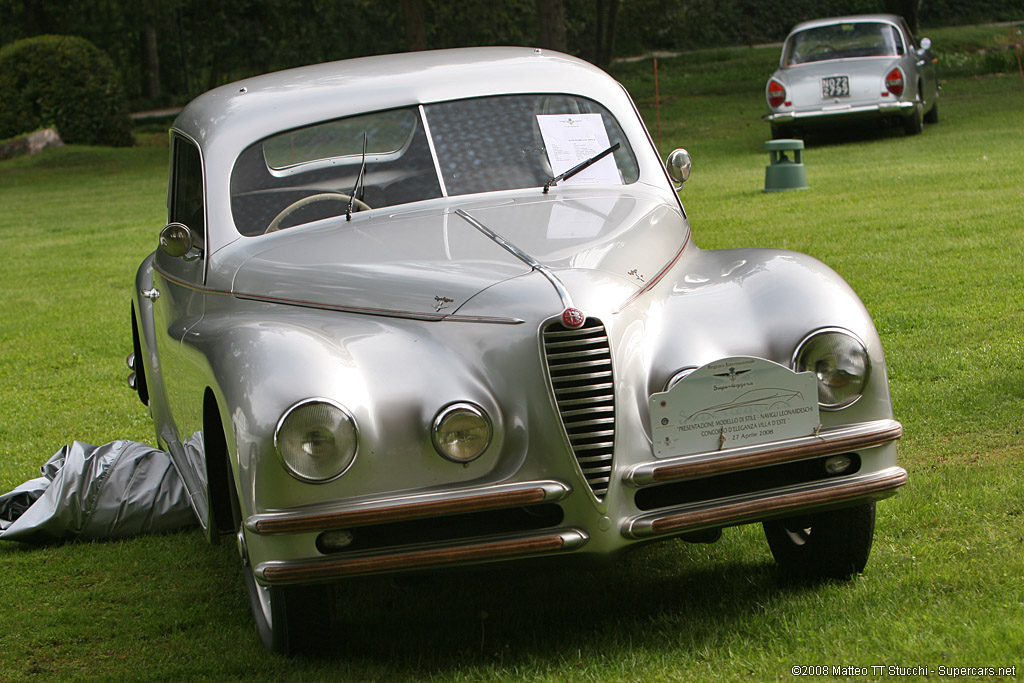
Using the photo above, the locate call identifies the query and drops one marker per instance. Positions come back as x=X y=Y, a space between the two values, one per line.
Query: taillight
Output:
x=894 y=82
x=776 y=93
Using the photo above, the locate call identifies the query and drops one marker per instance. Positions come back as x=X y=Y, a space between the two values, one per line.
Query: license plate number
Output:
x=835 y=86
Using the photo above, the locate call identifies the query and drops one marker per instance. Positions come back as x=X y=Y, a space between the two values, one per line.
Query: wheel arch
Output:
x=217 y=460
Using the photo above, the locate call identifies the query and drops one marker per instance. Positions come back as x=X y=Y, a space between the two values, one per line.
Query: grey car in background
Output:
x=853 y=70
x=413 y=312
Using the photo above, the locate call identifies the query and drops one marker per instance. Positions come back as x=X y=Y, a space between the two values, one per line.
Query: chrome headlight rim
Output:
x=347 y=460
x=452 y=410
x=817 y=336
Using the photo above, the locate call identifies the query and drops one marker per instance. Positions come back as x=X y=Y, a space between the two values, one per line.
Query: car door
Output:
x=178 y=305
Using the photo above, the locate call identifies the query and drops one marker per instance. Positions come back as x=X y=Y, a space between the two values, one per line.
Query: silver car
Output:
x=419 y=311
x=846 y=70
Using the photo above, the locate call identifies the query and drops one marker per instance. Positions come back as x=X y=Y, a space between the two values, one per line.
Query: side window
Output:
x=185 y=199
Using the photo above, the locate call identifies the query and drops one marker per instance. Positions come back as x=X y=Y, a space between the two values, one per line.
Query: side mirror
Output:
x=678 y=166
x=926 y=44
x=176 y=240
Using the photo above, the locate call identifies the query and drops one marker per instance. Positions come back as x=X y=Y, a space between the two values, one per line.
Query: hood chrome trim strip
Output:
x=563 y=293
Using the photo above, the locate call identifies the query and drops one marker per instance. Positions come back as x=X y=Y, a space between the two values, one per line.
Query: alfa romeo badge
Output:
x=573 y=318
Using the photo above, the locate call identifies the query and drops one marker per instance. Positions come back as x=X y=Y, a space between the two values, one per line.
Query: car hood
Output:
x=428 y=263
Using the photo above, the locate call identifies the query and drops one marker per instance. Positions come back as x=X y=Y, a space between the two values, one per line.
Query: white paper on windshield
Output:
x=572 y=138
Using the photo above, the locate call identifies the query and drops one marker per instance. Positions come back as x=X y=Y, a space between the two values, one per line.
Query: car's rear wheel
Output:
x=933 y=114
x=289 y=619
x=834 y=544
x=912 y=124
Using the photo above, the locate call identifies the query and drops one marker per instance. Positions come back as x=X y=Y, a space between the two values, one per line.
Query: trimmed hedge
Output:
x=63 y=82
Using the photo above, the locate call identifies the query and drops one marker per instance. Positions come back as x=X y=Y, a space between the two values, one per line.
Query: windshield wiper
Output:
x=359 y=182
x=579 y=167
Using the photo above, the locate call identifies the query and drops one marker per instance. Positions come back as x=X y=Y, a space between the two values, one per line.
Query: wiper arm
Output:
x=359 y=182
x=579 y=167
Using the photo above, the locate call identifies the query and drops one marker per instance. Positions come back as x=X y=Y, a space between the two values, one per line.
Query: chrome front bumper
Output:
x=666 y=521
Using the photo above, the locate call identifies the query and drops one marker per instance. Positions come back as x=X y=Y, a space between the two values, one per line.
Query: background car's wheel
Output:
x=289 y=619
x=912 y=124
x=834 y=544
x=933 y=114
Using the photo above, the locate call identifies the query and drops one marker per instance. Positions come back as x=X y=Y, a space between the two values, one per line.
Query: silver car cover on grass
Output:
x=87 y=492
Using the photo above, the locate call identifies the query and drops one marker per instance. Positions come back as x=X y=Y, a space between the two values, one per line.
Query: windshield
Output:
x=843 y=41
x=417 y=153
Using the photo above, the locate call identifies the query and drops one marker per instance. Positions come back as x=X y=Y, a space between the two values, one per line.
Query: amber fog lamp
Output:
x=840 y=363
x=316 y=440
x=461 y=432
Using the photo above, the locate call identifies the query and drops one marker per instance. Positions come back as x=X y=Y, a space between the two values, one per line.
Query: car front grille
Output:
x=580 y=366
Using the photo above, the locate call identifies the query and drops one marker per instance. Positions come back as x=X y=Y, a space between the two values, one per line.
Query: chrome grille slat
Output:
x=580 y=367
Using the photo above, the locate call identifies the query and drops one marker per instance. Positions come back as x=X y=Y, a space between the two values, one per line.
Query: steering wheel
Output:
x=275 y=224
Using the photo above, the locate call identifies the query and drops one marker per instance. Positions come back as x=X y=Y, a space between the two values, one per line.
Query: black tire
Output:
x=289 y=619
x=834 y=544
x=912 y=124
x=933 y=114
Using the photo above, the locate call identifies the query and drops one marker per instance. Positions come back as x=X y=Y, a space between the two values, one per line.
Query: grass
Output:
x=927 y=229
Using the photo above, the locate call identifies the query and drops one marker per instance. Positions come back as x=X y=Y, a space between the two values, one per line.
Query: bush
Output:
x=63 y=82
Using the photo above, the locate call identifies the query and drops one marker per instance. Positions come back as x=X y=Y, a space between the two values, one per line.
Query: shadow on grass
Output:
x=516 y=615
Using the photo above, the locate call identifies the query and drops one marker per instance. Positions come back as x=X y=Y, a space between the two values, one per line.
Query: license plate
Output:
x=835 y=86
x=733 y=402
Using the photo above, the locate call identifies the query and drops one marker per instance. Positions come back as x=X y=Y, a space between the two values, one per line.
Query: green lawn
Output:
x=928 y=229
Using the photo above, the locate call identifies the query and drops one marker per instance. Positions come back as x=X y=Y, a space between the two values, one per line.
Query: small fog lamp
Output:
x=838 y=464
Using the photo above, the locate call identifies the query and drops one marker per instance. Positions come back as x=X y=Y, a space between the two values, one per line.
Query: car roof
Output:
x=235 y=115
x=851 y=19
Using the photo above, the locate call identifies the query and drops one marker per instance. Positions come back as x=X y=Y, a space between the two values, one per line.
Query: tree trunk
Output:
x=606 y=11
x=415 y=18
x=551 y=20
x=150 y=64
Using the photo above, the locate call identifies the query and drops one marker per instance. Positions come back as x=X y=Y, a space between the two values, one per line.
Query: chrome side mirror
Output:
x=926 y=43
x=176 y=240
x=678 y=166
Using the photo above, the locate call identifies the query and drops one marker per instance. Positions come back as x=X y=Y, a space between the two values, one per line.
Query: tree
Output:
x=606 y=11
x=908 y=9
x=551 y=21
x=415 y=19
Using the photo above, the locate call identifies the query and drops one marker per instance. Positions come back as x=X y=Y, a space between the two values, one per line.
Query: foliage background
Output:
x=193 y=45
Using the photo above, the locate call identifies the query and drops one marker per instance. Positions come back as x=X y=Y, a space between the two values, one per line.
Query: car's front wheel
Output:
x=834 y=544
x=289 y=619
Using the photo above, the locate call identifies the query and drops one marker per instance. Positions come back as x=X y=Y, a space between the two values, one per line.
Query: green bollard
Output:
x=784 y=173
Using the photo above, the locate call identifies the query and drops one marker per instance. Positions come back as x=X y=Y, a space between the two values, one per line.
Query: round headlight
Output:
x=839 y=361
x=461 y=432
x=317 y=440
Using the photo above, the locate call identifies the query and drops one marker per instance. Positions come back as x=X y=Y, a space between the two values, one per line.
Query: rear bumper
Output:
x=838 y=112
x=559 y=521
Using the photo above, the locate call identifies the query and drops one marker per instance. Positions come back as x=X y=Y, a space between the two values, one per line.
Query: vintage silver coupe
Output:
x=421 y=311
x=853 y=70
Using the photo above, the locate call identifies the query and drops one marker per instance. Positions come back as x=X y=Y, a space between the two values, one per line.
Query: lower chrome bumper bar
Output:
x=763 y=505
